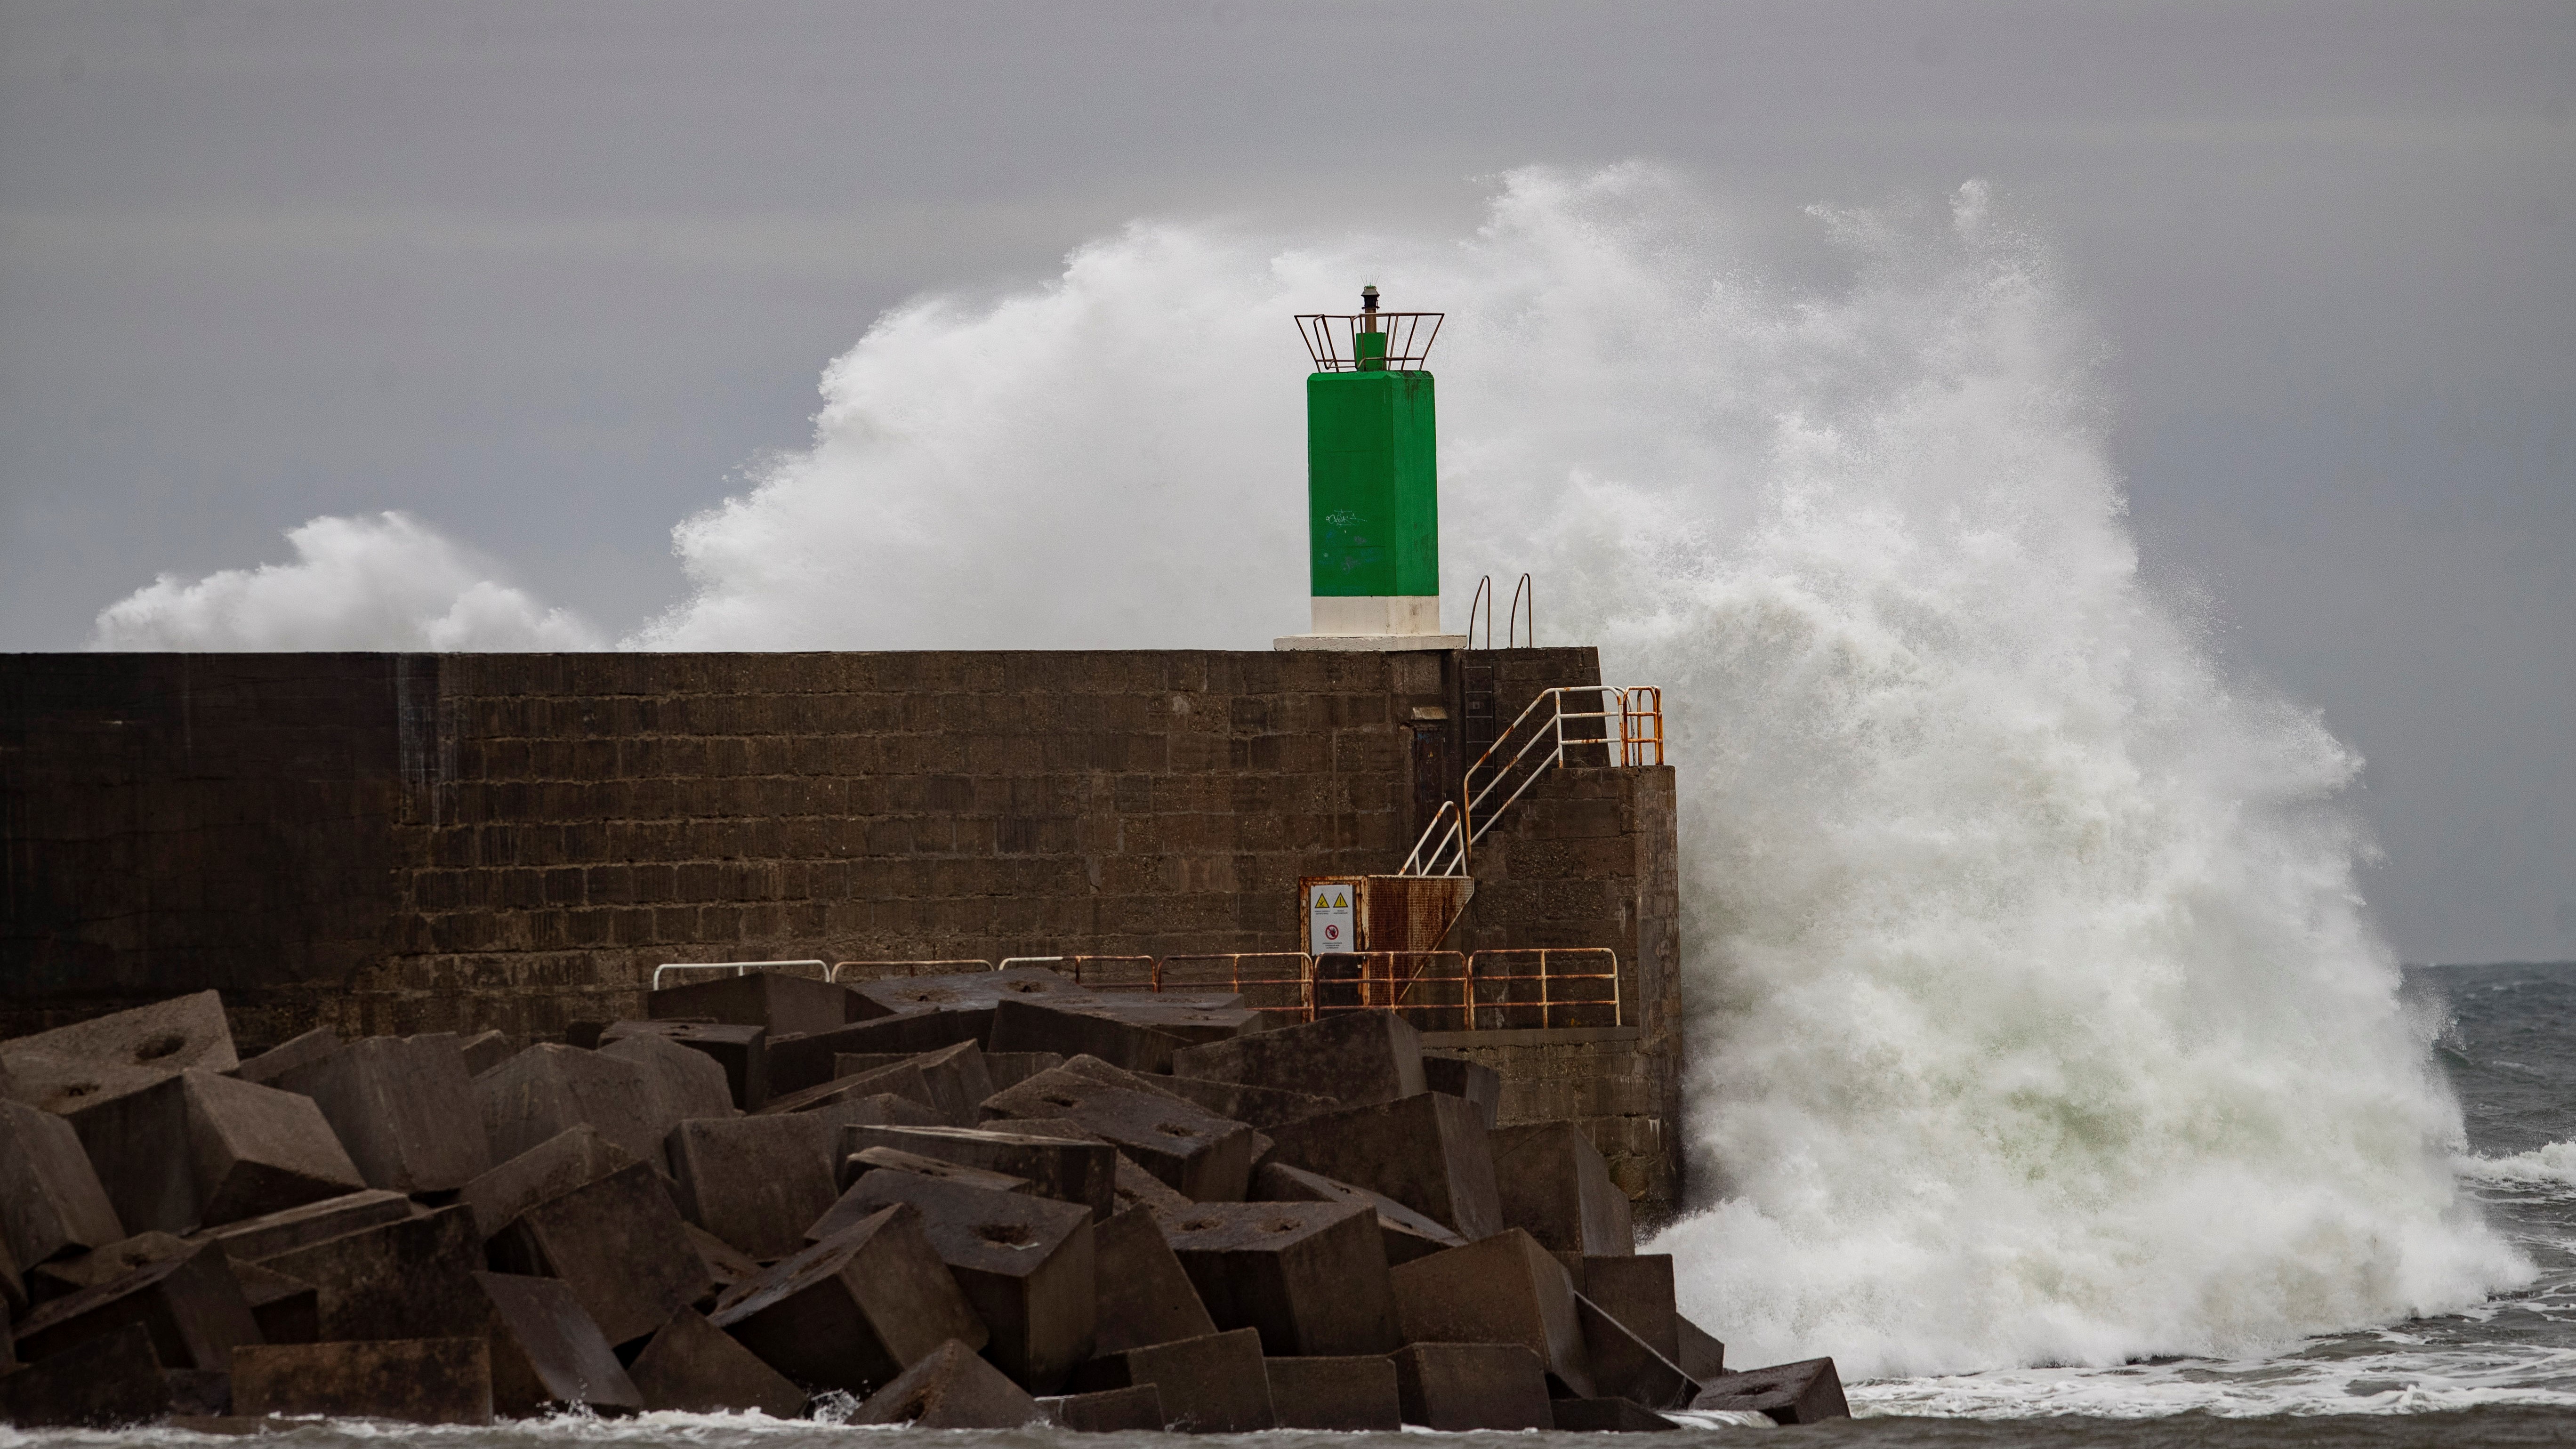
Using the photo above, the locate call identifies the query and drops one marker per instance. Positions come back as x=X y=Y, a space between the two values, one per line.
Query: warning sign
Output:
x=1331 y=918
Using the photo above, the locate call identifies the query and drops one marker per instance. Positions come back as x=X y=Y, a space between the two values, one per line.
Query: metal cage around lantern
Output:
x=1394 y=341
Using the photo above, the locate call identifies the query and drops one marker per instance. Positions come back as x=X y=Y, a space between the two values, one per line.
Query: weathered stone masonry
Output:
x=428 y=842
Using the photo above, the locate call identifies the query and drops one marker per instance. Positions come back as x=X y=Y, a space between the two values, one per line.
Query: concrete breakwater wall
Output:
x=403 y=843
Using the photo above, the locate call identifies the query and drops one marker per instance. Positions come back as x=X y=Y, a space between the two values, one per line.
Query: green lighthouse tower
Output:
x=1372 y=481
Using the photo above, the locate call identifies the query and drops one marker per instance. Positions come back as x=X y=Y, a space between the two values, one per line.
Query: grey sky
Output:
x=546 y=275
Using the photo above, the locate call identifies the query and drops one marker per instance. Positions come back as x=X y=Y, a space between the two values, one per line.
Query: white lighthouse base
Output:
x=1383 y=622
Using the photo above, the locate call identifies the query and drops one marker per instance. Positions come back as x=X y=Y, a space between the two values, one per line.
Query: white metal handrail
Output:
x=958 y=967
x=1447 y=841
x=738 y=968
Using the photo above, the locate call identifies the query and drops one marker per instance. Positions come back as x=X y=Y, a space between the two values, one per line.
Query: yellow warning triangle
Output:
x=1340 y=902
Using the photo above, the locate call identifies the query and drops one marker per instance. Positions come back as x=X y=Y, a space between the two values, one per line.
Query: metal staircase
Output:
x=1555 y=730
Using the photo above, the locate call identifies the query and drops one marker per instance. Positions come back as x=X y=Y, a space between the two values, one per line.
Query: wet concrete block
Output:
x=1427 y=1151
x=1069 y=1171
x=416 y=1381
x=1407 y=1234
x=1553 y=1184
x=1009 y=1069
x=1702 y=1356
x=1806 y=1392
x=1311 y=1277
x=1357 y=1058
x=51 y=1203
x=196 y=1148
x=903 y=1079
x=951 y=1388
x=65 y=1276
x=1025 y=1264
x=756 y=1182
x=1607 y=1416
x=693 y=1367
x=742 y=1051
x=191 y=1305
x=1204 y=1157
x=89 y=1061
x=618 y=1243
x=1260 y=1107
x=1479 y=1084
x=1027 y=1026
x=1145 y=1296
x=895 y=1159
x=854 y=1310
x=547 y=1352
x=1138 y=1188
x=1503 y=1289
x=107 y=1382
x=391 y=1279
x=1110 y=1411
x=484 y=1051
x=287 y=1310
x=1637 y=1290
x=404 y=1109
x=1460 y=1386
x=199 y=1393
x=1345 y=1393
x=1209 y=1385
x=955 y=1076
x=253 y=1239
x=264 y=1070
x=567 y=1160
x=682 y=1085
x=1624 y=1366
x=550 y=1088
x=777 y=1003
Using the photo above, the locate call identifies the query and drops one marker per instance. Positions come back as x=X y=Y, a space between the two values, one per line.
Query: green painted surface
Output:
x=1372 y=484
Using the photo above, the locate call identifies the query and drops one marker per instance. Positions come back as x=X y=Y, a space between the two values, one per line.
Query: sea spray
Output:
x=2035 y=1016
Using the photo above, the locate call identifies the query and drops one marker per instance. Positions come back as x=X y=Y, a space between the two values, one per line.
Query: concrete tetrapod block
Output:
x=693 y=1367
x=1310 y=1277
x=1344 y=1393
x=796 y=1063
x=107 y=1382
x=1702 y=1356
x=1024 y=1263
x=484 y=1052
x=66 y=1276
x=417 y=1381
x=1205 y=1157
x=1637 y=1290
x=1209 y=1385
x=1187 y=1021
x=1009 y=1069
x=73 y=1066
x=884 y=1109
x=620 y=1245
x=1624 y=1366
x=253 y=1239
x=955 y=1077
x=1504 y=1289
x=394 y=1278
x=854 y=1310
x=546 y=1351
x=1085 y=1172
x=1144 y=1294
x=777 y=1003
x=756 y=1182
x=1475 y=1082
x=1028 y=1026
x=191 y=1305
x=1356 y=1058
x=726 y=1264
x=970 y=990
x=1138 y=1188
x=903 y=1079
x=404 y=1109
x=685 y=1085
x=1110 y=1411
x=51 y=1202
x=196 y=1148
x=1460 y=1386
x=743 y=1051
x=1553 y=1184
x=951 y=1388
x=1607 y=1416
x=264 y=1070
x=556 y=1166
x=1806 y=1392
x=1262 y=1107
x=1407 y=1234
x=895 y=1159
x=287 y=1310
x=1426 y=1151
x=550 y=1088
